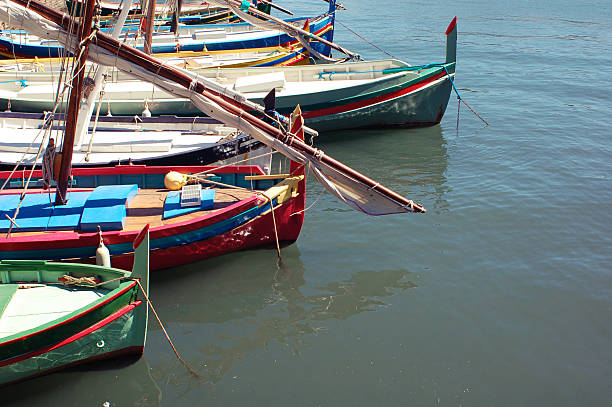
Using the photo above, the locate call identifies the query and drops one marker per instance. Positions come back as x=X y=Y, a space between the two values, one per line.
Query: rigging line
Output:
x=369 y=42
x=93 y=130
x=236 y=162
x=266 y=197
x=312 y=204
x=8 y=178
x=27 y=184
x=48 y=129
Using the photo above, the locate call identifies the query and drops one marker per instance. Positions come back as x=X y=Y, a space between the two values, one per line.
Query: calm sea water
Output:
x=499 y=295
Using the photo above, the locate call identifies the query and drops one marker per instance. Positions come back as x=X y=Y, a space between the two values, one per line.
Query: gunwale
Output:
x=240 y=225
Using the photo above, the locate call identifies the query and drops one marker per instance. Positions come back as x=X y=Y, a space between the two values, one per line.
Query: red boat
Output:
x=245 y=209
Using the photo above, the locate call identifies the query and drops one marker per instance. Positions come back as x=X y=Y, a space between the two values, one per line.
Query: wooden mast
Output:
x=183 y=79
x=148 y=42
x=74 y=100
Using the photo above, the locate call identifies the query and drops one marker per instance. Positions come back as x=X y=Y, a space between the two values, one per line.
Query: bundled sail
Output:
x=358 y=191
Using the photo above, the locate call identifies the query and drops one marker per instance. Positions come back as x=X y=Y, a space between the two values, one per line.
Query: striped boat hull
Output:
x=246 y=224
x=268 y=39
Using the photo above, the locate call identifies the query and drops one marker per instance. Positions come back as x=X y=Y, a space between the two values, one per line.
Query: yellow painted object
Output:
x=284 y=190
x=42 y=68
x=273 y=53
x=175 y=180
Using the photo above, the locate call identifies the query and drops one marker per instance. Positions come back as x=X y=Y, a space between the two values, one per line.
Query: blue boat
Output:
x=211 y=37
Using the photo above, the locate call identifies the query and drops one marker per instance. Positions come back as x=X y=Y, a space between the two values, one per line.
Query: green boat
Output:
x=56 y=315
x=381 y=93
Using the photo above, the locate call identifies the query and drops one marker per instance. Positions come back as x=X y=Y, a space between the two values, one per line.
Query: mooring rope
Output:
x=70 y=280
x=409 y=68
x=90 y=281
x=256 y=192
x=161 y=325
x=364 y=39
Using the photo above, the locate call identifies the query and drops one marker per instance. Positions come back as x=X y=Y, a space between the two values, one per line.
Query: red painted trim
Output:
x=75 y=337
x=451 y=26
x=374 y=100
x=141 y=236
x=88 y=310
x=140 y=169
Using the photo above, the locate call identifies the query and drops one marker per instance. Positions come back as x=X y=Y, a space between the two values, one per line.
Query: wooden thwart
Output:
x=269 y=176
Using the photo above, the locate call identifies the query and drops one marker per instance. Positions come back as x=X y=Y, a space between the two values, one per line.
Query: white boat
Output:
x=166 y=140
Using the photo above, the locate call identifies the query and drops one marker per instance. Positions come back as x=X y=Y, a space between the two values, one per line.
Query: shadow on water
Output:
x=414 y=162
x=121 y=381
x=229 y=312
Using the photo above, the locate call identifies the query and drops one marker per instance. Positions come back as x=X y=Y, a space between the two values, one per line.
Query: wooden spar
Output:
x=175 y=16
x=254 y=11
x=155 y=66
x=148 y=40
x=78 y=73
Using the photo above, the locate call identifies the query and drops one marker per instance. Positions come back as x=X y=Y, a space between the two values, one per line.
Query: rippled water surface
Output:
x=499 y=295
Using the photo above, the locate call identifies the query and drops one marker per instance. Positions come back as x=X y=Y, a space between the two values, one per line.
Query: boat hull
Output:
x=246 y=224
x=419 y=105
x=108 y=339
x=228 y=151
x=52 y=319
x=404 y=99
x=262 y=39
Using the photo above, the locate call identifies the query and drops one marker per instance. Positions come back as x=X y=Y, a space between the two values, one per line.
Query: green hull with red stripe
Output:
x=56 y=315
x=379 y=93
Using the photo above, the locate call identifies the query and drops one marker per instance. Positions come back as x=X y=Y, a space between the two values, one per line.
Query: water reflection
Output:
x=412 y=161
x=121 y=382
x=222 y=309
x=226 y=314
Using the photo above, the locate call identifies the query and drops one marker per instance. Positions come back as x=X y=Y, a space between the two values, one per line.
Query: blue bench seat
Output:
x=107 y=207
x=172 y=204
x=37 y=212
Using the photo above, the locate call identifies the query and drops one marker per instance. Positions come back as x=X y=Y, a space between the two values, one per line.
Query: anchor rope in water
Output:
x=89 y=281
x=161 y=325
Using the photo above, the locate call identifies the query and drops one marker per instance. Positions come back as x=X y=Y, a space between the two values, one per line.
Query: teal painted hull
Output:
x=52 y=317
x=116 y=338
x=405 y=99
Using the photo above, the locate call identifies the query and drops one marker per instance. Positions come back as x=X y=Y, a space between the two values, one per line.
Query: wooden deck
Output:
x=148 y=207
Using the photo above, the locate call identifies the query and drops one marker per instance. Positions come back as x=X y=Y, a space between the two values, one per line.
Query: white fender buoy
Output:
x=146 y=112
x=102 y=253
